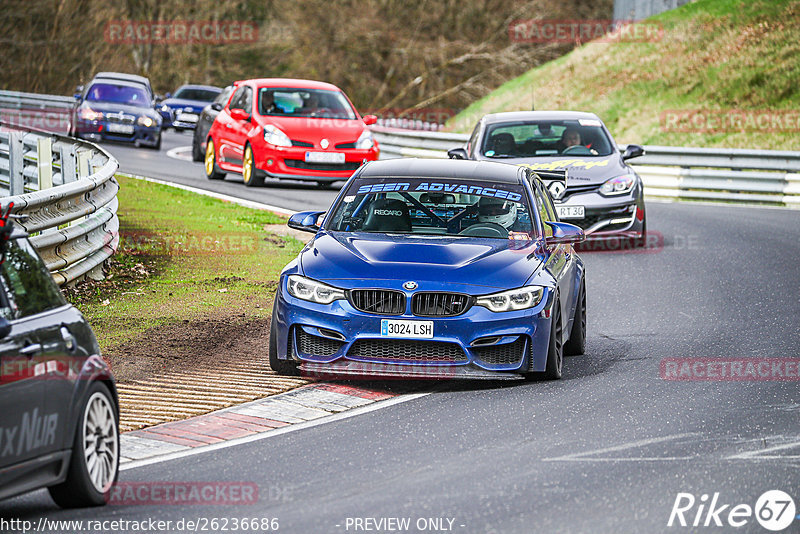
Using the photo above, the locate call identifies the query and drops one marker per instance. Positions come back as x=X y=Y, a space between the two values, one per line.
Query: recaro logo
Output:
x=396 y=213
x=774 y=510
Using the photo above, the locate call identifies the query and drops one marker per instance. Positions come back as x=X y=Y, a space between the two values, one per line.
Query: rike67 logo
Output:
x=774 y=510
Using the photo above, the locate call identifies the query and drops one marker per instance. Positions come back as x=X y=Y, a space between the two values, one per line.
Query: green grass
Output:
x=183 y=257
x=714 y=55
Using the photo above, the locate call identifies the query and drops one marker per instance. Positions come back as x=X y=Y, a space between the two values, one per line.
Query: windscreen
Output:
x=525 y=139
x=195 y=93
x=118 y=94
x=434 y=206
x=304 y=103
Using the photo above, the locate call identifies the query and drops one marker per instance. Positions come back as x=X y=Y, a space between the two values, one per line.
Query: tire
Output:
x=576 y=344
x=197 y=153
x=281 y=367
x=212 y=170
x=157 y=146
x=641 y=242
x=98 y=425
x=251 y=175
x=555 y=349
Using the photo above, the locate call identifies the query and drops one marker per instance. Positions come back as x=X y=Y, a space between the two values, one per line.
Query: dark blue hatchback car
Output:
x=433 y=269
x=182 y=109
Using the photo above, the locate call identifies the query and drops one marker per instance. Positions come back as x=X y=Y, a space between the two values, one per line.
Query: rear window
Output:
x=191 y=93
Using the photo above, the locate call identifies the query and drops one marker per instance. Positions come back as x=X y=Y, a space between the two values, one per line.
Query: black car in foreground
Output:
x=204 y=122
x=603 y=194
x=59 y=416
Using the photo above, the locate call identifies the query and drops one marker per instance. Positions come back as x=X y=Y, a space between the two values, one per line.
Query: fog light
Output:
x=269 y=162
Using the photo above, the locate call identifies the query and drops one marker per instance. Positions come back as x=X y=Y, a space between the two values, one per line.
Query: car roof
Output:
x=112 y=81
x=444 y=168
x=196 y=86
x=510 y=116
x=290 y=82
x=123 y=76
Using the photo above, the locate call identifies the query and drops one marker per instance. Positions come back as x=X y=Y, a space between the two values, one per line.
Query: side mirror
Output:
x=216 y=106
x=78 y=93
x=564 y=233
x=306 y=221
x=370 y=119
x=239 y=114
x=457 y=153
x=168 y=95
x=632 y=151
x=5 y=327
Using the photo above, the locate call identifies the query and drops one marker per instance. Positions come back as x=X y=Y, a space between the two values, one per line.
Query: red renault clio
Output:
x=286 y=128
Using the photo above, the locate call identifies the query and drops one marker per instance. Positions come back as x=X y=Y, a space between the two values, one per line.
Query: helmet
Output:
x=497 y=210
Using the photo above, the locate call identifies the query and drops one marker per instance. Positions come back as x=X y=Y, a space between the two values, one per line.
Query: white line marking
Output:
x=580 y=456
x=212 y=194
x=178 y=153
x=761 y=453
x=271 y=433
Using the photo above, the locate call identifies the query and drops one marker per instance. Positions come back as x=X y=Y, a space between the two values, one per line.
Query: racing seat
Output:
x=504 y=144
x=387 y=215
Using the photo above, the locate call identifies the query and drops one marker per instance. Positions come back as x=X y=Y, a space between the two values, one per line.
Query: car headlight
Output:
x=618 y=186
x=365 y=140
x=515 y=299
x=145 y=121
x=90 y=115
x=313 y=291
x=165 y=108
x=274 y=136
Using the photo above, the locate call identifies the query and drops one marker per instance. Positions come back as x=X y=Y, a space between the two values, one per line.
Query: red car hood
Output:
x=313 y=130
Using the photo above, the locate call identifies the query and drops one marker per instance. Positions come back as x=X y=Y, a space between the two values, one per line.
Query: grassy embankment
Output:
x=184 y=259
x=722 y=55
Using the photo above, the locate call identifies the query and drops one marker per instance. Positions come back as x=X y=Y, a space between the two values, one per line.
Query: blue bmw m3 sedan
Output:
x=433 y=269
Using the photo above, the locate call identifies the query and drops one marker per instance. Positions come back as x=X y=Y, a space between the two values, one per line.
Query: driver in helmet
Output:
x=497 y=211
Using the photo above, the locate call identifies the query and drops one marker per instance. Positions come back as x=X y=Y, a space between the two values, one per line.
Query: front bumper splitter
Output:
x=431 y=372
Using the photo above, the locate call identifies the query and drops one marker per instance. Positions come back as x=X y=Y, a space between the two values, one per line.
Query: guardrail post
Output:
x=16 y=164
x=83 y=164
x=68 y=166
x=44 y=161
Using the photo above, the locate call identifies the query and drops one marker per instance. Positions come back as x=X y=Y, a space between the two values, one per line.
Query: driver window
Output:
x=238 y=100
x=548 y=203
x=541 y=207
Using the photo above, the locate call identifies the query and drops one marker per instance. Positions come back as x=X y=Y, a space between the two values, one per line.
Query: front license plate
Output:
x=120 y=128
x=570 y=212
x=324 y=157
x=407 y=329
x=187 y=117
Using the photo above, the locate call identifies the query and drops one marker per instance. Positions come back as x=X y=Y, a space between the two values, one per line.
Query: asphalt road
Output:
x=293 y=195
x=606 y=449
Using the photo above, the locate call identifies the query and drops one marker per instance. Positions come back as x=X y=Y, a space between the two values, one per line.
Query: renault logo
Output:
x=557 y=190
x=324 y=143
x=410 y=285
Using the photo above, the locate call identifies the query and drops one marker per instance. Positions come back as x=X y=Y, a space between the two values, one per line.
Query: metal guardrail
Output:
x=716 y=174
x=49 y=113
x=67 y=190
